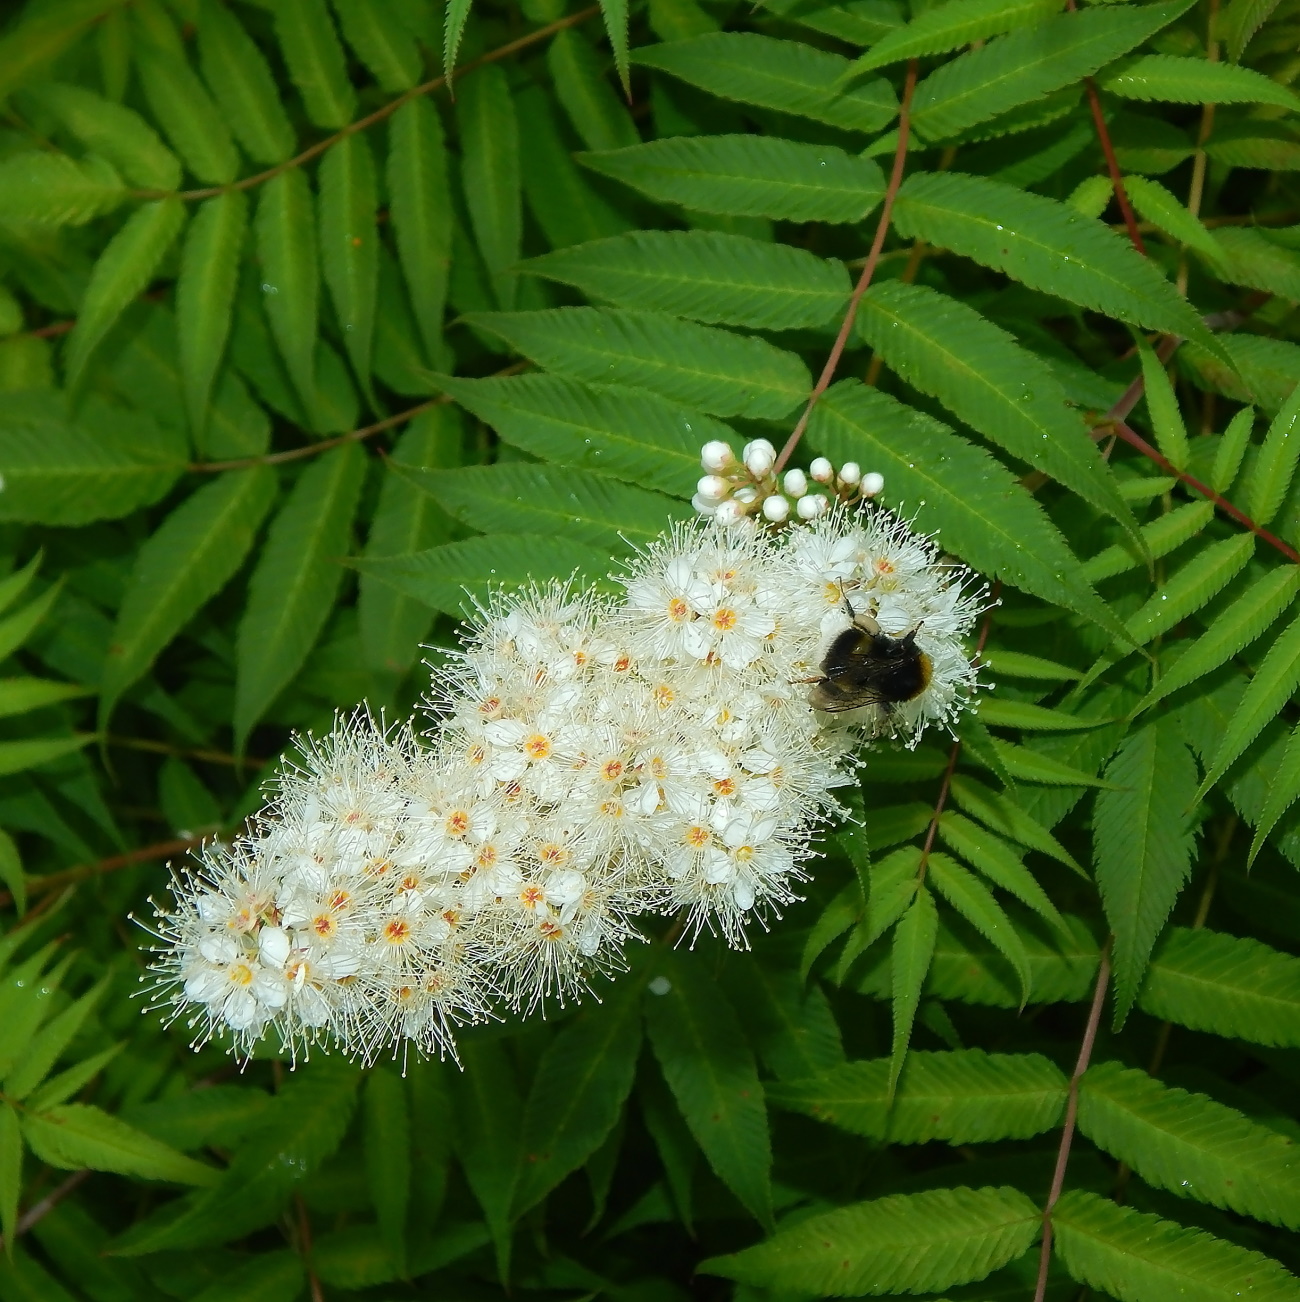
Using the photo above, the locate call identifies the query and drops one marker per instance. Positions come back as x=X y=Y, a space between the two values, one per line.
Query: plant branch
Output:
x=868 y=270
x=386 y=111
x=38 y=1211
x=1135 y=440
x=1071 y=1115
x=1112 y=165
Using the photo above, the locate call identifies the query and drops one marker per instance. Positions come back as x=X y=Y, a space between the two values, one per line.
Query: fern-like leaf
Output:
x=1282 y=794
x=1180 y=79
x=748 y=176
x=963 y=1097
x=1028 y=64
x=711 y=277
x=1191 y=1145
x=1226 y=985
x=1275 y=469
x=785 y=75
x=700 y=366
x=981 y=374
x=1161 y=536
x=1047 y=245
x=910 y=957
x=904 y=1243
x=1139 y=1258
x=1142 y=845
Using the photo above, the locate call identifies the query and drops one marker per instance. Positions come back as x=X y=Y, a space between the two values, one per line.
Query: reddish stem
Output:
x=868 y=270
x=1071 y=1115
x=1112 y=166
x=1135 y=440
x=51 y=881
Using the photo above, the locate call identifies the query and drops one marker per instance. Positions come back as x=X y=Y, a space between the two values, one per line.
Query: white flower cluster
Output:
x=591 y=759
x=731 y=490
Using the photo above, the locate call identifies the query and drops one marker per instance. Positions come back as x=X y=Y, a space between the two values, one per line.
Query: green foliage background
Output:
x=295 y=349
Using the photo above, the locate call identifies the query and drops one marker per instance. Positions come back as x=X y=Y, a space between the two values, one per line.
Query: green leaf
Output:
x=1180 y=79
x=41 y=35
x=489 y=1152
x=963 y=1097
x=1282 y=794
x=1231 y=632
x=999 y=862
x=982 y=375
x=975 y=902
x=1031 y=63
x=1160 y=536
x=784 y=75
x=1007 y=818
x=578 y=1093
x=748 y=176
x=1274 y=471
x=632 y=435
x=454 y=29
x=74 y=1135
x=1246 y=257
x=1142 y=847
x=458 y=576
x=50 y=1041
x=285 y=226
x=1140 y=1258
x=712 y=277
x=1232 y=448
x=950 y=26
x=22 y=695
x=19 y=756
x=349 y=247
x=420 y=210
x=1001 y=713
x=580 y=86
x=1195 y=583
x=710 y=1070
x=387 y=1143
x=61 y=1087
x=125 y=267
x=959 y=491
x=68 y=470
x=1162 y=406
x=1191 y=1145
x=205 y=297
x=1047 y=245
x=1241 y=20
x=1155 y=204
x=45 y=189
x=556 y=501
x=1226 y=985
x=240 y=78
x=181 y=105
x=904 y=1243
x=615 y=14
x=1273 y=685
x=1265 y=145
x=112 y=131
x=375 y=31
x=11 y=1173
x=317 y=64
x=187 y=561
x=489 y=137
x=406 y=520
x=859 y=22
x=910 y=957
x=263 y=1277
x=294 y=586
x=15 y=881
x=303 y=1125
x=703 y=367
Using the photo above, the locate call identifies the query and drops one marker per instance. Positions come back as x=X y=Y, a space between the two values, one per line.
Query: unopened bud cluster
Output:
x=733 y=490
x=591 y=760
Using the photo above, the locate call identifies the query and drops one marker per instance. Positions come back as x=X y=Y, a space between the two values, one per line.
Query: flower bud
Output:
x=795 y=483
x=822 y=470
x=730 y=512
x=746 y=495
x=713 y=488
x=716 y=455
x=704 y=505
x=759 y=457
x=872 y=484
x=777 y=508
x=850 y=473
x=810 y=507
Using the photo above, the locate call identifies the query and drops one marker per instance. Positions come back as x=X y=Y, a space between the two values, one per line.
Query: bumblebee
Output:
x=865 y=666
